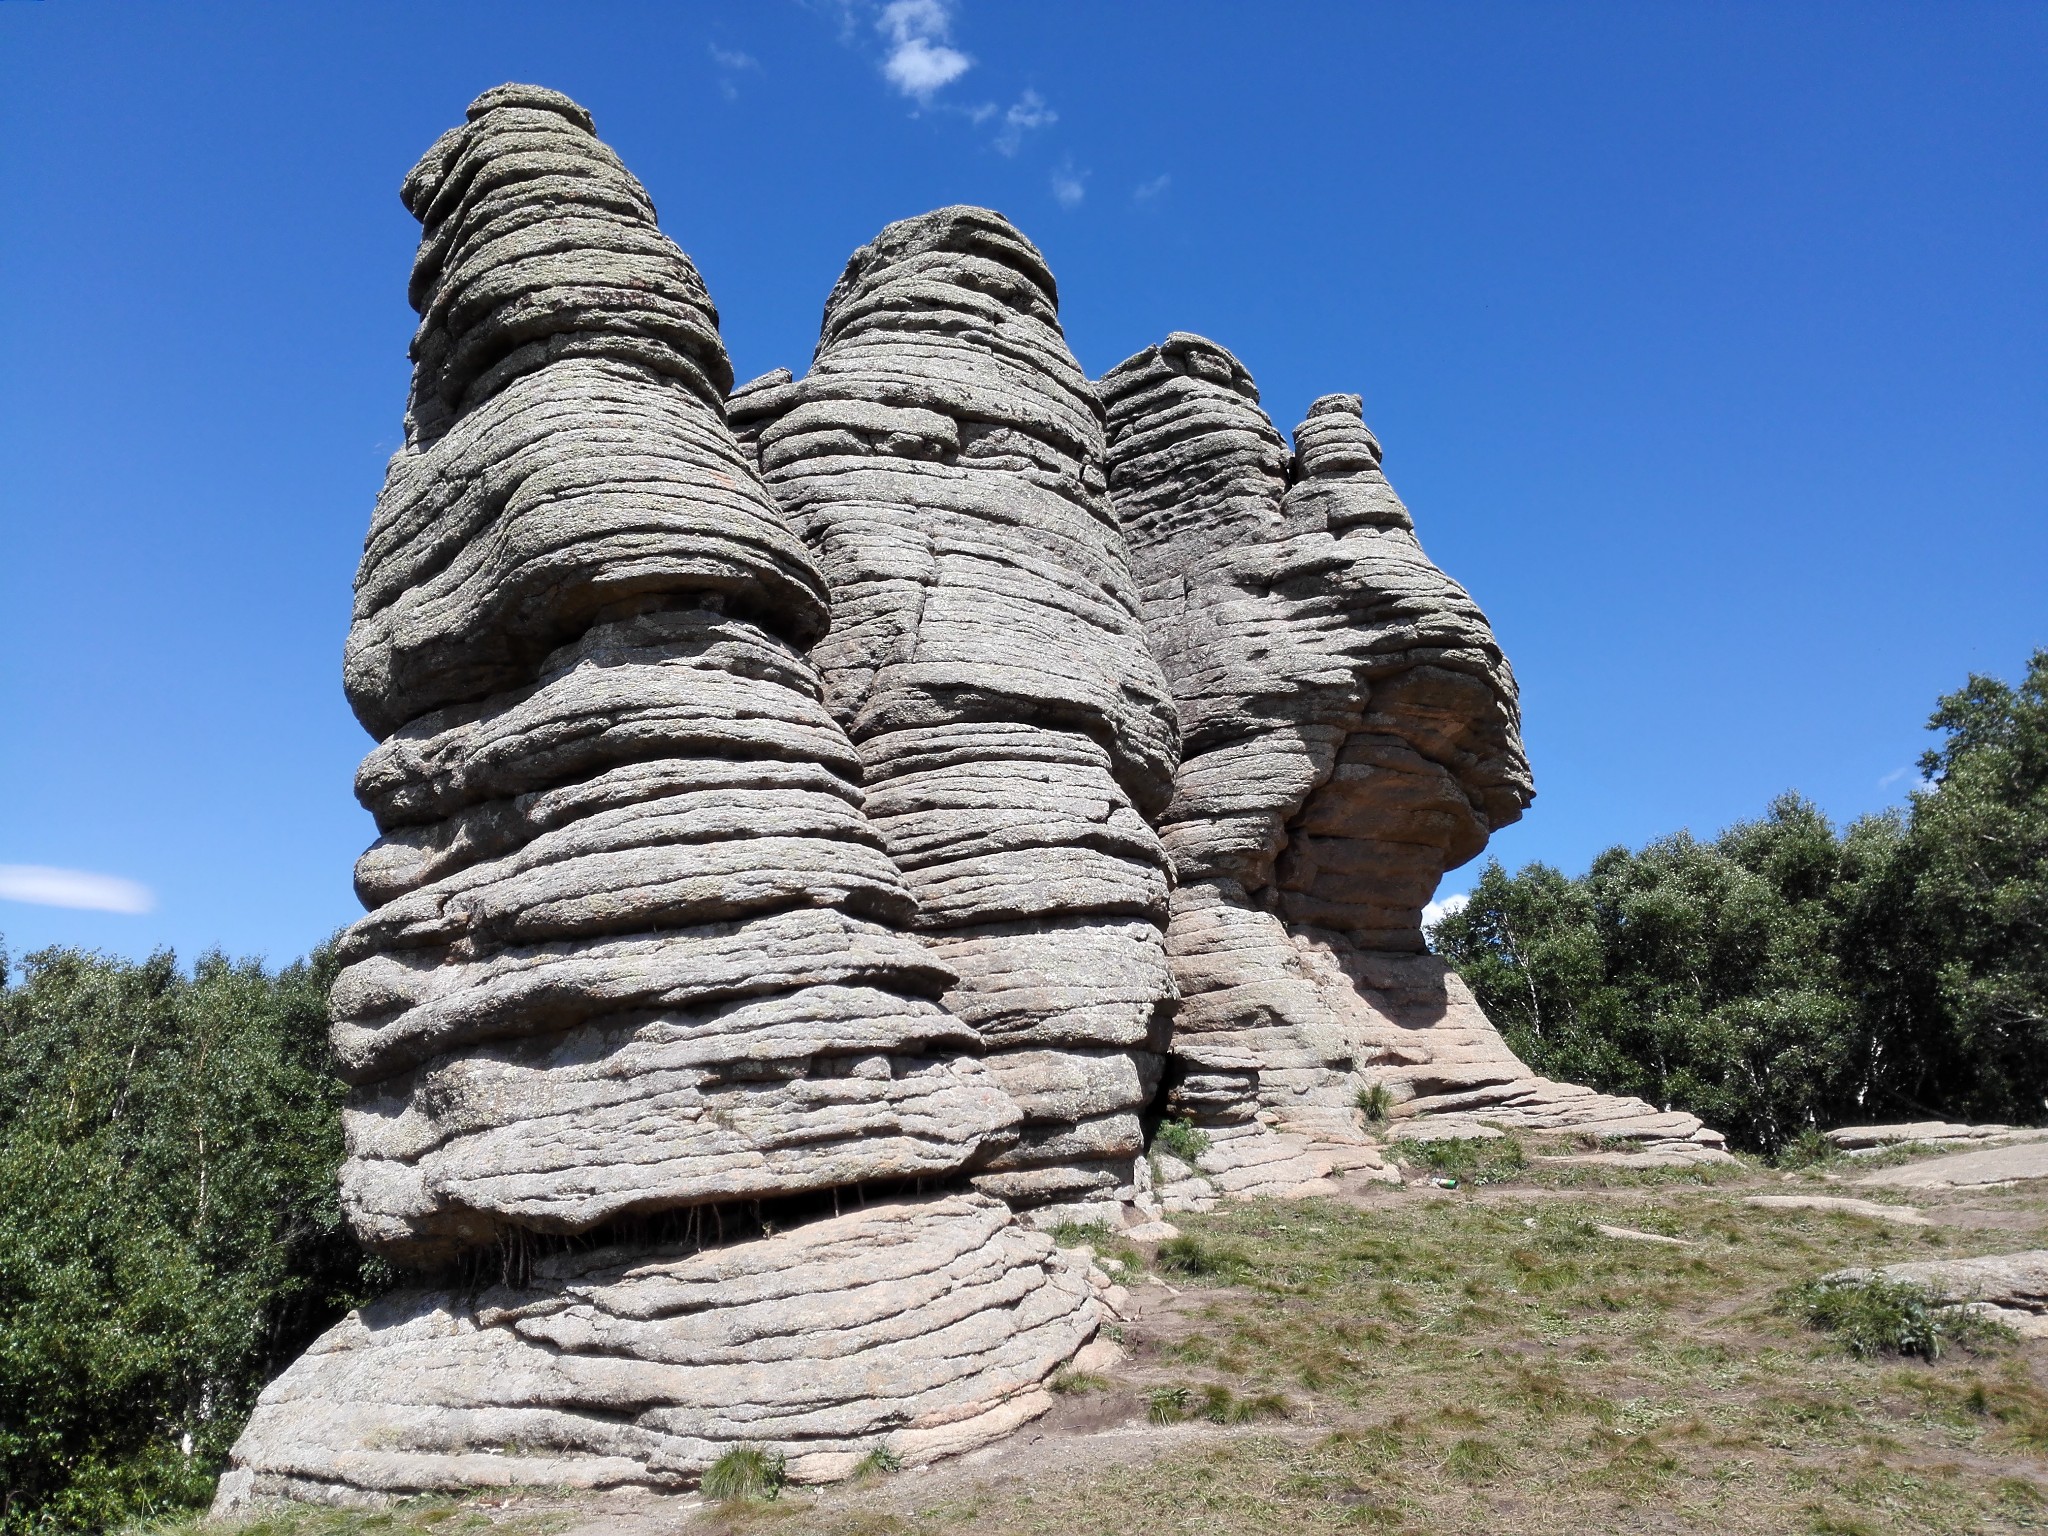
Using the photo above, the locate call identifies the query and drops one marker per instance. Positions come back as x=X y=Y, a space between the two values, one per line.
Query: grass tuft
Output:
x=1189 y=1255
x=1376 y=1102
x=877 y=1463
x=1473 y=1460
x=747 y=1472
x=1077 y=1383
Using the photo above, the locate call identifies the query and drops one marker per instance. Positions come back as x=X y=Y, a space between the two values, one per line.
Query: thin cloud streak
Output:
x=42 y=886
x=1150 y=191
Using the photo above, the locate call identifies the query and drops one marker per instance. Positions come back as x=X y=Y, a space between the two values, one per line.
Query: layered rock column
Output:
x=633 y=942
x=1351 y=730
x=637 y=959
x=943 y=461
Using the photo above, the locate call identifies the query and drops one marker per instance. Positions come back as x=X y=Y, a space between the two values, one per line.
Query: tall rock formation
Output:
x=1350 y=731
x=809 y=817
x=636 y=958
x=943 y=461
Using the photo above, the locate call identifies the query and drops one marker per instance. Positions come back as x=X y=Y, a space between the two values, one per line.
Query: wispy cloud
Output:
x=731 y=62
x=920 y=59
x=1153 y=190
x=1910 y=771
x=41 y=886
x=1437 y=911
x=1069 y=186
x=1027 y=112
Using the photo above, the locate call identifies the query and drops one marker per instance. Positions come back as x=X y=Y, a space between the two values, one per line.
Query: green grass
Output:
x=1492 y=1160
x=746 y=1472
x=1875 y=1316
x=1482 y=1362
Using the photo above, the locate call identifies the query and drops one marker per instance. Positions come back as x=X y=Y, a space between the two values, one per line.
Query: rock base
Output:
x=929 y=1327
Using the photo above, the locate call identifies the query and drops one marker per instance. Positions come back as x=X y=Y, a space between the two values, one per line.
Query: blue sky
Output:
x=1708 y=344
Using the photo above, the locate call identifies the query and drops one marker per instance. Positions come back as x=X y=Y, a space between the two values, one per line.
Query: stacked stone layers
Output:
x=926 y=1327
x=1350 y=731
x=943 y=461
x=634 y=944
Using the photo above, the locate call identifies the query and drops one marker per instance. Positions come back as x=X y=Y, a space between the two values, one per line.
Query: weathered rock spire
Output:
x=1350 y=730
x=943 y=461
x=636 y=958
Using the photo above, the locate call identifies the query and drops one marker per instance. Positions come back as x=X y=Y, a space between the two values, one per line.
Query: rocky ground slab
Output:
x=1966 y=1170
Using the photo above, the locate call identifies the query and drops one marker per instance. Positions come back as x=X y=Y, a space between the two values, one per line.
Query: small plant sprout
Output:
x=877 y=1463
x=1181 y=1139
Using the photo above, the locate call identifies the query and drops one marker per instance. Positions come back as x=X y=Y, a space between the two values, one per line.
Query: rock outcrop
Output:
x=637 y=957
x=810 y=816
x=1350 y=730
x=2010 y=1289
x=943 y=461
x=927 y=1327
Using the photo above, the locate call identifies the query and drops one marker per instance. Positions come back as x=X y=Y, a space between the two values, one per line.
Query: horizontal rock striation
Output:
x=943 y=461
x=638 y=958
x=634 y=944
x=928 y=1327
x=1350 y=730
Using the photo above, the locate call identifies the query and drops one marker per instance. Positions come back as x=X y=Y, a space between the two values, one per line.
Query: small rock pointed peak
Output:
x=1333 y=441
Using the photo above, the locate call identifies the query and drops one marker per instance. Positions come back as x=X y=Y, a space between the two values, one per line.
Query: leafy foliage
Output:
x=170 y=1229
x=1182 y=1139
x=1786 y=975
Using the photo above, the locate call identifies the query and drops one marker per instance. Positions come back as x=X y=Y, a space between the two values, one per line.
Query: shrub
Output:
x=1181 y=1139
x=1873 y=1315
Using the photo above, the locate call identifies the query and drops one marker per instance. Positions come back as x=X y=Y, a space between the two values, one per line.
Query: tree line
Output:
x=1787 y=976
x=170 y=1226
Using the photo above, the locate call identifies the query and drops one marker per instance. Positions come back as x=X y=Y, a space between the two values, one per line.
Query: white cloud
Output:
x=920 y=60
x=1027 y=112
x=1437 y=911
x=1069 y=186
x=42 y=886
x=730 y=62
x=1148 y=190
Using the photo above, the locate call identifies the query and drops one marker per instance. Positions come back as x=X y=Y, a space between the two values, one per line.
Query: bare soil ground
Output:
x=1481 y=1360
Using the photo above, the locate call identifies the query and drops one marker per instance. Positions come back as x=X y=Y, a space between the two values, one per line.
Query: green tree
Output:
x=1786 y=975
x=170 y=1230
x=1970 y=920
